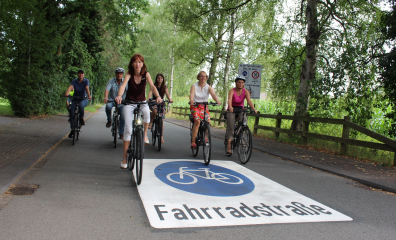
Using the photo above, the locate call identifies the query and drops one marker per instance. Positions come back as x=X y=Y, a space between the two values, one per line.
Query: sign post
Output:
x=252 y=73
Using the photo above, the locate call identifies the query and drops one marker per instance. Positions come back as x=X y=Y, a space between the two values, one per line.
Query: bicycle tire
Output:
x=139 y=157
x=207 y=147
x=115 y=131
x=78 y=125
x=194 y=150
x=159 y=133
x=130 y=159
x=75 y=122
x=154 y=131
x=245 y=145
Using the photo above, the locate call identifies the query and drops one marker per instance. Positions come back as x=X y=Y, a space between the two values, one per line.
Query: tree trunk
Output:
x=308 y=69
x=172 y=64
x=217 y=49
x=228 y=62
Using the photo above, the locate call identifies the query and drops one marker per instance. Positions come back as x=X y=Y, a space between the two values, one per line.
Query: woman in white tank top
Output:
x=200 y=93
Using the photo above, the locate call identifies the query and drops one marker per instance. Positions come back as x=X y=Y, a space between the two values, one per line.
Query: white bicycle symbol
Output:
x=221 y=177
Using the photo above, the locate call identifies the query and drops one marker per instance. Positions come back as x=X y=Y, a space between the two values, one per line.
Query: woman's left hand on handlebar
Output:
x=118 y=100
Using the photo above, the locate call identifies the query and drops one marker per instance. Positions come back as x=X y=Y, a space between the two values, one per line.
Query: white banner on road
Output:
x=252 y=73
x=186 y=193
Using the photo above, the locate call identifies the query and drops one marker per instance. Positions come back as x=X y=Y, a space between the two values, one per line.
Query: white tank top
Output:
x=201 y=94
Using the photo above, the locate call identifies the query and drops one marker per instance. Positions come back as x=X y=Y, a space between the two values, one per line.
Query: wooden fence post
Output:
x=256 y=123
x=345 y=136
x=278 y=124
x=305 y=129
x=185 y=112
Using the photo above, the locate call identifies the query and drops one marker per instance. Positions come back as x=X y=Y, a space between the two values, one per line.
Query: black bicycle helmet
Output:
x=119 y=70
x=239 y=77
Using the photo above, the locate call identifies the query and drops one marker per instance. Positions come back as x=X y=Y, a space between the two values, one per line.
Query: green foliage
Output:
x=388 y=66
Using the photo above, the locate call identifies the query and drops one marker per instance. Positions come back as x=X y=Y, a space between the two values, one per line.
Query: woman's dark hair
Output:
x=162 y=87
x=135 y=57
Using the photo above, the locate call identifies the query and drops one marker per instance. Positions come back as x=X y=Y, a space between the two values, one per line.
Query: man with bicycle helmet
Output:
x=110 y=94
x=236 y=99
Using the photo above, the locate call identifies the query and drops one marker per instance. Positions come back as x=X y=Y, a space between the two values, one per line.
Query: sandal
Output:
x=193 y=145
x=123 y=165
x=162 y=140
x=229 y=152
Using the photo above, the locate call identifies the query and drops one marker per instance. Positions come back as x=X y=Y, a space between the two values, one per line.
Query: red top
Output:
x=136 y=92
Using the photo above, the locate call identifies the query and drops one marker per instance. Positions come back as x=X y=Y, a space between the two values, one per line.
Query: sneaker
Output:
x=82 y=122
x=108 y=124
x=71 y=134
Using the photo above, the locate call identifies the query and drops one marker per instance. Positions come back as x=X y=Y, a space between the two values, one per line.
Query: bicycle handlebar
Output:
x=75 y=97
x=246 y=109
x=127 y=102
x=205 y=103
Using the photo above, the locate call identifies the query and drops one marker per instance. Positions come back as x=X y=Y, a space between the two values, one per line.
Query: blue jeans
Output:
x=120 y=107
x=81 y=105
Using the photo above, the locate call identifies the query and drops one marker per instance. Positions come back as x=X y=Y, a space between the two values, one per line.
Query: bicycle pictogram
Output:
x=191 y=176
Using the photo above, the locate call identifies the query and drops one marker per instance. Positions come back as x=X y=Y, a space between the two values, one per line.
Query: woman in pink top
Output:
x=236 y=99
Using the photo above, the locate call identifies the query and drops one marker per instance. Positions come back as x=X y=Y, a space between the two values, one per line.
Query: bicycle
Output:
x=157 y=127
x=192 y=177
x=242 y=136
x=203 y=137
x=136 y=146
x=76 y=124
x=115 y=123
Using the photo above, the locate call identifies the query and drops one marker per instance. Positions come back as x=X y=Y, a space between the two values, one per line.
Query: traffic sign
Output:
x=252 y=73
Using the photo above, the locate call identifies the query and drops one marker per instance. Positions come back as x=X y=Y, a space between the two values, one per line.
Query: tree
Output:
x=388 y=64
x=338 y=59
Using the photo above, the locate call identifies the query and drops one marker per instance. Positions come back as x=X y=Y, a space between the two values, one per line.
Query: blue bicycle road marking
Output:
x=198 y=178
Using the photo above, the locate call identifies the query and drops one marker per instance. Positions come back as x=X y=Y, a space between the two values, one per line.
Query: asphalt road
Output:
x=83 y=194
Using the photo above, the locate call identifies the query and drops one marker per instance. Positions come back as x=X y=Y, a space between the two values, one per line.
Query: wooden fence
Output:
x=386 y=145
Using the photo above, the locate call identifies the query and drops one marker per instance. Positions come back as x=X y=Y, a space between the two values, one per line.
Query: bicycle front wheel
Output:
x=139 y=156
x=154 y=131
x=207 y=141
x=159 y=132
x=75 y=122
x=130 y=160
x=245 y=145
x=115 y=128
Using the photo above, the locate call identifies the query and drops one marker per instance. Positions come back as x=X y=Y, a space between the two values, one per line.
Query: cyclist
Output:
x=81 y=90
x=112 y=87
x=200 y=93
x=236 y=99
x=136 y=79
x=162 y=89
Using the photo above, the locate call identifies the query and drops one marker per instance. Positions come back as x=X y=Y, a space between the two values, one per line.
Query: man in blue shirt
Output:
x=110 y=94
x=81 y=90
